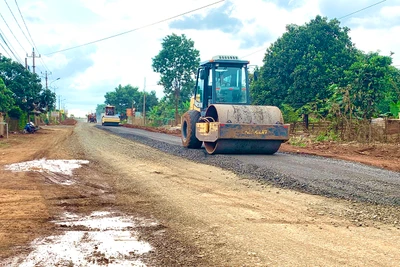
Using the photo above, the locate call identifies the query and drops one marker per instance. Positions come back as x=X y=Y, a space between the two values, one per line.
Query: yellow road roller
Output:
x=221 y=116
x=109 y=117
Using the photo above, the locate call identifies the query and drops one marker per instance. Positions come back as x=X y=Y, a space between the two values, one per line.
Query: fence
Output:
x=383 y=130
x=13 y=125
x=392 y=126
x=313 y=127
x=2 y=124
x=155 y=123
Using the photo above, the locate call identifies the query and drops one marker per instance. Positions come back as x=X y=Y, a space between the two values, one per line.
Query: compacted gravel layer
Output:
x=366 y=184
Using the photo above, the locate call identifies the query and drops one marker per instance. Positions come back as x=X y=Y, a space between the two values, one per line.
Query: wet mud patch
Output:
x=99 y=239
x=59 y=179
x=48 y=166
x=54 y=171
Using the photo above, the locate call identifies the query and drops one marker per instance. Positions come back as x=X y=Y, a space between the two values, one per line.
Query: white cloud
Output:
x=88 y=72
x=383 y=40
x=390 y=12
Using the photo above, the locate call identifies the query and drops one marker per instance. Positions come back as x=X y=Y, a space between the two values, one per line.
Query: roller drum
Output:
x=244 y=115
x=233 y=146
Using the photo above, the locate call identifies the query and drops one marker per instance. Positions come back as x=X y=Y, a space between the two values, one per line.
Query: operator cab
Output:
x=222 y=80
x=109 y=110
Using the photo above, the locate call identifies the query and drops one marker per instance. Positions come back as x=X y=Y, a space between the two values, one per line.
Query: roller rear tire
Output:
x=188 y=129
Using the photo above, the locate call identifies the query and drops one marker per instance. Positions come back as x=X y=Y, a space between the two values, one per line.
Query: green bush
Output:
x=395 y=109
x=15 y=113
x=329 y=136
x=299 y=141
x=289 y=114
x=22 y=121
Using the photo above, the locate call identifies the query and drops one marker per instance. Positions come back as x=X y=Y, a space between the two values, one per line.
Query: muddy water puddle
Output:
x=100 y=239
x=56 y=171
x=46 y=165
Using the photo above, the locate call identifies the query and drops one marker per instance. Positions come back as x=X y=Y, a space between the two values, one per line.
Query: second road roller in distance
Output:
x=221 y=116
x=110 y=117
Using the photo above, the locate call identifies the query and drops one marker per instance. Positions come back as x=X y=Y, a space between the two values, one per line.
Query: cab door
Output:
x=199 y=91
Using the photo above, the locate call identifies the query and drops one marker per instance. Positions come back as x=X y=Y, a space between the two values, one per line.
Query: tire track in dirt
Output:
x=240 y=222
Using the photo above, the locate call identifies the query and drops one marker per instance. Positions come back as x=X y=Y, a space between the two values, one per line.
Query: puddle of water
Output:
x=49 y=166
x=99 y=221
x=108 y=240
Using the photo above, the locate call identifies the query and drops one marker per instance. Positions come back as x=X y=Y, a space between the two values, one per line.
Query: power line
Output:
x=338 y=18
x=146 y=26
x=12 y=32
x=30 y=43
x=17 y=22
x=262 y=49
x=12 y=52
x=8 y=44
x=5 y=50
x=5 y=40
x=362 y=9
x=26 y=27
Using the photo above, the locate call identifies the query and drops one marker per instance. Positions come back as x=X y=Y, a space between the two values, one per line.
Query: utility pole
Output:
x=26 y=63
x=59 y=110
x=46 y=79
x=144 y=102
x=33 y=59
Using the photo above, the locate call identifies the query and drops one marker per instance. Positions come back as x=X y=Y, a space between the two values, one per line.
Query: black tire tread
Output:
x=190 y=117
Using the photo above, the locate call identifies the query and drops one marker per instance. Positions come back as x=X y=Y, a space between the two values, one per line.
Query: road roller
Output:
x=110 y=117
x=221 y=116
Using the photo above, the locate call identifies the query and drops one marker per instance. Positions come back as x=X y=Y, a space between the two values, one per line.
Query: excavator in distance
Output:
x=221 y=116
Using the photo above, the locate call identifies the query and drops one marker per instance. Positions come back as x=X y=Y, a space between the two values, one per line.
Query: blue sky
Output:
x=235 y=27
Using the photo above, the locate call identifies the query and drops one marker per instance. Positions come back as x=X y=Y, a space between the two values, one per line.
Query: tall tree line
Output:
x=315 y=68
x=21 y=91
x=311 y=69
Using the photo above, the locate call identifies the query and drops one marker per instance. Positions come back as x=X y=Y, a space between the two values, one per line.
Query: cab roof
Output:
x=224 y=59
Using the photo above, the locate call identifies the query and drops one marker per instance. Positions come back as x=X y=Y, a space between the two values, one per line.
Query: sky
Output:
x=81 y=74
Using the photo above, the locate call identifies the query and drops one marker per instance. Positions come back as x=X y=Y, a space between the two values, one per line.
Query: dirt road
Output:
x=306 y=173
x=184 y=213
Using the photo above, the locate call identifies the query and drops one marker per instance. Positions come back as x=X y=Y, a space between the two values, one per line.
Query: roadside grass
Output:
x=329 y=136
x=300 y=141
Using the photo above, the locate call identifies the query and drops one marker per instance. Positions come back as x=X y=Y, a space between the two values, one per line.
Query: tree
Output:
x=301 y=65
x=15 y=113
x=395 y=109
x=371 y=87
x=177 y=63
x=369 y=82
x=26 y=87
x=6 y=98
x=123 y=97
x=164 y=112
x=100 y=108
x=128 y=96
x=392 y=95
x=150 y=101
x=46 y=99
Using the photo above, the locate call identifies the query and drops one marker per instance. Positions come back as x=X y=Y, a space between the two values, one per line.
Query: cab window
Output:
x=231 y=85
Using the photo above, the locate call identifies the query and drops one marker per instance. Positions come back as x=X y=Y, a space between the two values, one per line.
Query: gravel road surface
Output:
x=182 y=210
x=311 y=174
